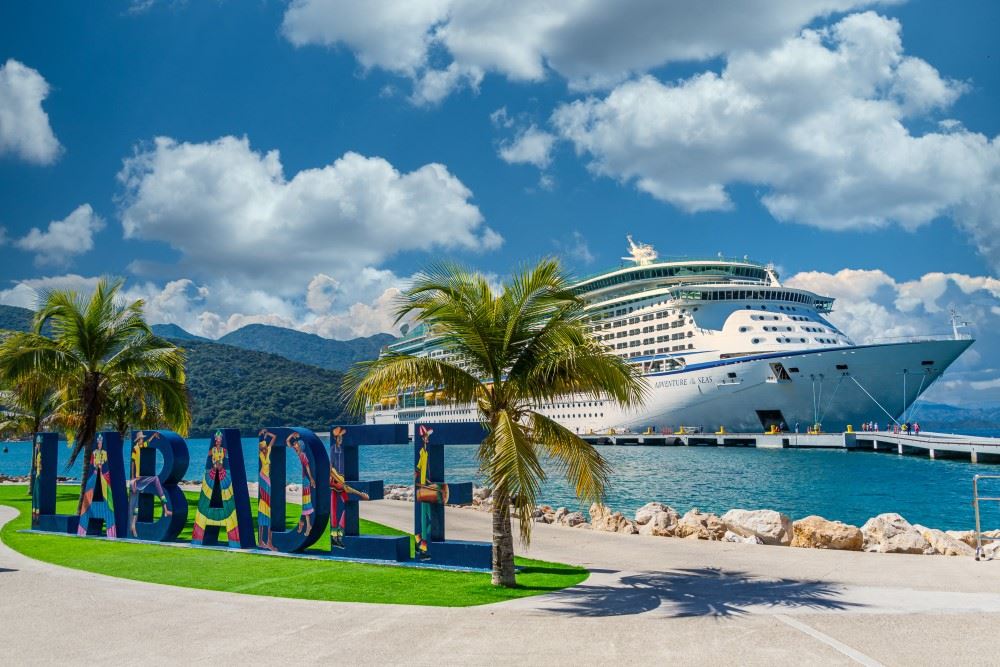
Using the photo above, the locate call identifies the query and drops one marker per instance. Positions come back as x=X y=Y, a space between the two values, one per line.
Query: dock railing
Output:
x=976 y=498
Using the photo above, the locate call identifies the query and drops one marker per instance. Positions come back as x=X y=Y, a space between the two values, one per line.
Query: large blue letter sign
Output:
x=224 y=503
x=145 y=483
x=346 y=489
x=44 y=464
x=431 y=494
x=102 y=498
x=315 y=511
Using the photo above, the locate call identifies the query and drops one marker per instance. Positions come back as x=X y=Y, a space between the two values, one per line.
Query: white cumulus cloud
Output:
x=231 y=211
x=24 y=126
x=592 y=43
x=530 y=146
x=817 y=123
x=73 y=235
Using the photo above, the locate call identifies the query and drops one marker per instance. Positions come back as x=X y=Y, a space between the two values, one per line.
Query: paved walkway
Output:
x=649 y=601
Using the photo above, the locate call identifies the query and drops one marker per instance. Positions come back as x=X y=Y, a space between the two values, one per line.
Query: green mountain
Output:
x=307 y=348
x=175 y=333
x=13 y=318
x=246 y=389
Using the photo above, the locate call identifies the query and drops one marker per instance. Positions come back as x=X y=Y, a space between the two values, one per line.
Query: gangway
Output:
x=975 y=503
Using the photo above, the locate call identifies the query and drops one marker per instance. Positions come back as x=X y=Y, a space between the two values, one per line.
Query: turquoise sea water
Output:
x=848 y=486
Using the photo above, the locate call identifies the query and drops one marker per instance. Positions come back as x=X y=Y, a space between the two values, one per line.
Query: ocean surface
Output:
x=842 y=485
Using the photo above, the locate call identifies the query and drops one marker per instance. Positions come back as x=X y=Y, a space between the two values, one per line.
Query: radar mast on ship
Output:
x=642 y=254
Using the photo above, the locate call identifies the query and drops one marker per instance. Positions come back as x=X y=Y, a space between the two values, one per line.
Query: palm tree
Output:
x=510 y=352
x=28 y=407
x=131 y=404
x=98 y=346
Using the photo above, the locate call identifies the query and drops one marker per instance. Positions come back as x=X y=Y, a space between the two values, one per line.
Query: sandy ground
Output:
x=648 y=601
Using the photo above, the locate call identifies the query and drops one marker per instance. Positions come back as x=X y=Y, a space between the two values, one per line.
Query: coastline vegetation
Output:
x=275 y=576
x=508 y=350
x=101 y=363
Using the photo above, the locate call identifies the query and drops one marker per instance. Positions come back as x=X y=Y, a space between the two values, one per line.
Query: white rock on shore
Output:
x=698 y=525
x=892 y=534
x=943 y=543
x=730 y=536
x=604 y=519
x=815 y=532
x=657 y=519
x=768 y=526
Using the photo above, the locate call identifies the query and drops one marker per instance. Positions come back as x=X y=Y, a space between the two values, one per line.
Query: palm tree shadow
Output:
x=695 y=592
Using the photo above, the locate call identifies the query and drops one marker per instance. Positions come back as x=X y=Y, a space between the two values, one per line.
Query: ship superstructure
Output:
x=722 y=343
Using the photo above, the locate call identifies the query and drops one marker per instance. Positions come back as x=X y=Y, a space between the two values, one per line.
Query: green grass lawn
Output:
x=275 y=576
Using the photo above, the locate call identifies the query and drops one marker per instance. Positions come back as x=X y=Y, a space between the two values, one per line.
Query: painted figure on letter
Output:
x=307 y=489
x=426 y=492
x=216 y=506
x=95 y=502
x=36 y=479
x=339 y=490
x=139 y=484
x=264 y=488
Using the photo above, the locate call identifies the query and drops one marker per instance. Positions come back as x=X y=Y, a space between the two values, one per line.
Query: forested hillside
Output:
x=245 y=389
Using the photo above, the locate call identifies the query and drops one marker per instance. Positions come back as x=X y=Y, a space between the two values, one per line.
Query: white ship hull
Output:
x=721 y=343
x=835 y=387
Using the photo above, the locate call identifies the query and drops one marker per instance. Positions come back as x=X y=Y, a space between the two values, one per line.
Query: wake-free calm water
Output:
x=848 y=486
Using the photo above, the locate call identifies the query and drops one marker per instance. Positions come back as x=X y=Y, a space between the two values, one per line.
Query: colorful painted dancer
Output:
x=293 y=441
x=426 y=493
x=339 y=490
x=216 y=506
x=36 y=479
x=264 y=488
x=95 y=502
x=139 y=484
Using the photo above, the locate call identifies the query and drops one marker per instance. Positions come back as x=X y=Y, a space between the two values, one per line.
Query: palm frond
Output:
x=578 y=460
x=513 y=471
x=368 y=382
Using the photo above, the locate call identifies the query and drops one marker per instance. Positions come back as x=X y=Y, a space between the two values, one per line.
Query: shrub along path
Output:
x=265 y=575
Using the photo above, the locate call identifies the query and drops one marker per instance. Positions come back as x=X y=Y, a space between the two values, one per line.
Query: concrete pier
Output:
x=933 y=445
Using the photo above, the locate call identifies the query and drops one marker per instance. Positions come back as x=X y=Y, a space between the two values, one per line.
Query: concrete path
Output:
x=648 y=601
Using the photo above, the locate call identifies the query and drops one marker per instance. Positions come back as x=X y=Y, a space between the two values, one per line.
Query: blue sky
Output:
x=293 y=162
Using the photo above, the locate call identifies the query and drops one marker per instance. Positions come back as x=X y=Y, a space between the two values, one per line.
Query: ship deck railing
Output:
x=920 y=338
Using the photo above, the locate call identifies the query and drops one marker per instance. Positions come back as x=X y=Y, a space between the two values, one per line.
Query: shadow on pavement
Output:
x=694 y=592
x=4 y=569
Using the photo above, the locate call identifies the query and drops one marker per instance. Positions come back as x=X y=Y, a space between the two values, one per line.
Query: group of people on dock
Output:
x=905 y=428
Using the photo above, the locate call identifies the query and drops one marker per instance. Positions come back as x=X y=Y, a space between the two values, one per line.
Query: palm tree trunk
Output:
x=503 y=544
x=91 y=413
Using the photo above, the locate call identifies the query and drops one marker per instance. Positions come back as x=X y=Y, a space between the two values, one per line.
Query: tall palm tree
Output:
x=511 y=352
x=98 y=344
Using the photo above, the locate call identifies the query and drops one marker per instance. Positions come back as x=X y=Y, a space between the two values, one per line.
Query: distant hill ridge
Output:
x=174 y=332
x=308 y=348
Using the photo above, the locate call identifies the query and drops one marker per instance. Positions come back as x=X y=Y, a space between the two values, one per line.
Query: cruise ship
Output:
x=722 y=344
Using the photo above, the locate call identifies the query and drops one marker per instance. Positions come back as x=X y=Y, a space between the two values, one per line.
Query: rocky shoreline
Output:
x=885 y=533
